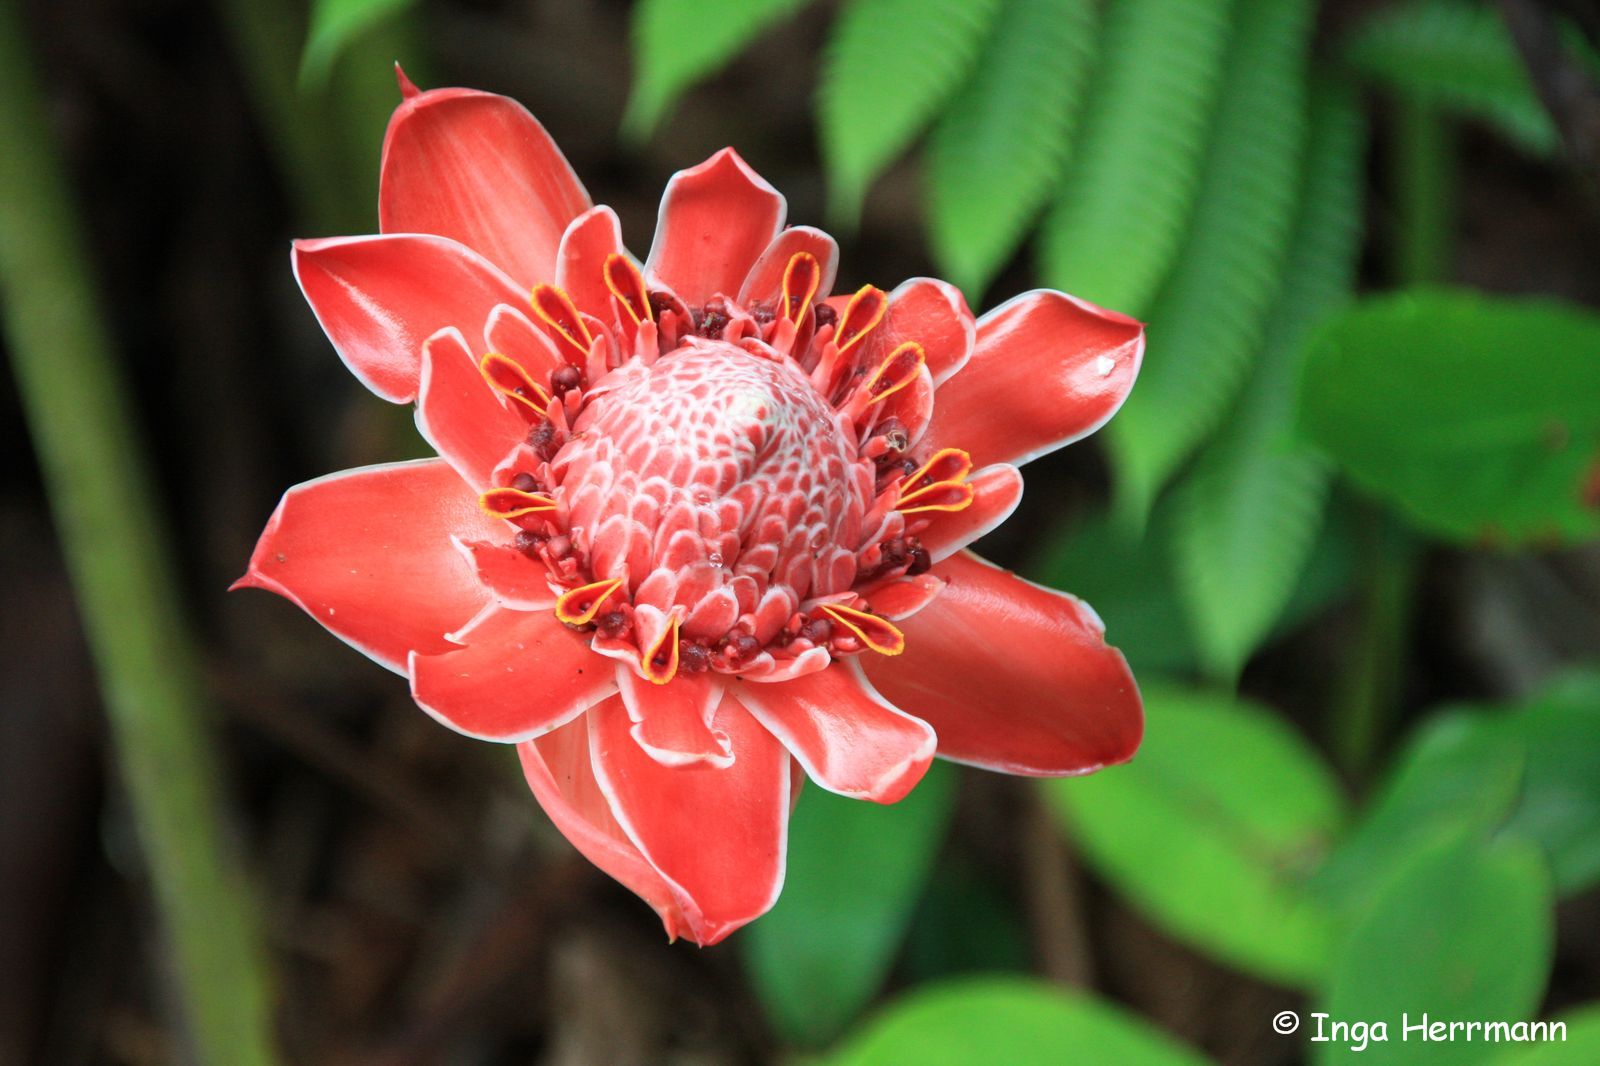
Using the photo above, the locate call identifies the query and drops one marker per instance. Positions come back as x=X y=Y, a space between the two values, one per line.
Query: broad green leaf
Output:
x=1013 y=1021
x=1246 y=517
x=1212 y=830
x=1207 y=322
x=1463 y=931
x=997 y=153
x=1477 y=416
x=855 y=872
x=1458 y=55
x=1531 y=771
x=334 y=24
x=888 y=67
x=1558 y=731
x=1578 y=1045
x=1119 y=213
x=1450 y=777
x=678 y=42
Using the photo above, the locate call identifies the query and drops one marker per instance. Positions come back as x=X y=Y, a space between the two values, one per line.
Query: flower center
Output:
x=714 y=480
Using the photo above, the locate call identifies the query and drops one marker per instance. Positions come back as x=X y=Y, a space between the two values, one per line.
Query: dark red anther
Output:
x=695 y=658
x=817 y=631
x=712 y=320
x=525 y=482
x=528 y=542
x=826 y=316
x=565 y=379
x=542 y=438
x=920 y=563
x=612 y=624
x=659 y=302
x=895 y=553
x=763 y=315
x=744 y=646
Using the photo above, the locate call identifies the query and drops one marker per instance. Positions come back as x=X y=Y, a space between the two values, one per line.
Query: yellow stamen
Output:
x=510 y=378
x=898 y=370
x=861 y=316
x=801 y=279
x=660 y=660
x=514 y=503
x=579 y=606
x=876 y=632
x=556 y=310
x=627 y=285
x=945 y=473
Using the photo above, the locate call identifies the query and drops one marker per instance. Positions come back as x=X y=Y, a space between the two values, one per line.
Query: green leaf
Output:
x=1457 y=55
x=1120 y=211
x=967 y=922
x=334 y=25
x=1559 y=731
x=997 y=153
x=855 y=872
x=888 y=67
x=678 y=42
x=1463 y=931
x=1579 y=1045
x=1213 y=828
x=1476 y=416
x=1451 y=777
x=1208 y=319
x=1006 y=1020
x=1247 y=516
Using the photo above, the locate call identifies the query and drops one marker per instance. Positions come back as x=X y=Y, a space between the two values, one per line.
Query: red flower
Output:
x=696 y=529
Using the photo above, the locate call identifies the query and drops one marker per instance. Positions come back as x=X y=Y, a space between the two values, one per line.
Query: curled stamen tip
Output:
x=659 y=662
x=514 y=503
x=875 y=631
x=579 y=606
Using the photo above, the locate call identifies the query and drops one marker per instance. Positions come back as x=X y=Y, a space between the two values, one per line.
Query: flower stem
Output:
x=124 y=582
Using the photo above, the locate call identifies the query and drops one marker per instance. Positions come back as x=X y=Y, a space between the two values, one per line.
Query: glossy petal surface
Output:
x=717 y=836
x=849 y=739
x=367 y=553
x=479 y=169
x=1047 y=369
x=519 y=675
x=560 y=772
x=716 y=220
x=379 y=298
x=460 y=415
x=1013 y=677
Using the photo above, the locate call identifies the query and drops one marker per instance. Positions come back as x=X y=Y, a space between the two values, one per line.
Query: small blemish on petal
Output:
x=1105 y=365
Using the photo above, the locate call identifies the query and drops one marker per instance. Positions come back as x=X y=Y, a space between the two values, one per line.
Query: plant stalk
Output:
x=118 y=558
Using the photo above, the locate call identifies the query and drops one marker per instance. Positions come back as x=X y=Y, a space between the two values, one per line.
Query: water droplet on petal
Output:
x=715 y=558
x=1105 y=365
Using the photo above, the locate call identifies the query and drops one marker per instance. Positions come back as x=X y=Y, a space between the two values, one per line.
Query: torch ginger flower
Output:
x=697 y=526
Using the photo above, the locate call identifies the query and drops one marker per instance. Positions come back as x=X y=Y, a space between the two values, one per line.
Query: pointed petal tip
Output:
x=408 y=88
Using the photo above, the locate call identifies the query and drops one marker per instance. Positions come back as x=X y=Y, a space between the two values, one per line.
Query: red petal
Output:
x=478 y=168
x=379 y=298
x=673 y=721
x=849 y=739
x=520 y=675
x=764 y=283
x=997 y=491
x=1047 y=370
x=716 y=219
x=580 y=263
x=517 y=580
x=934 y=314
x=561 y=774
x=514 y=336
x=1013 y=676
x=716 y=835
x=460 y=414
x=368 y=554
